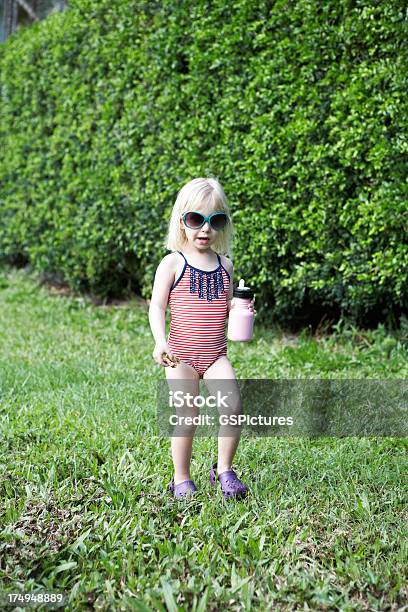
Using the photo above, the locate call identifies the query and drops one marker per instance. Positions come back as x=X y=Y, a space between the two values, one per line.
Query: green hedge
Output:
x=299 y=108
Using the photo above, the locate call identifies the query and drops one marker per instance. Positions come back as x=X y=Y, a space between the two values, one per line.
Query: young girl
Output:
x=196 y=281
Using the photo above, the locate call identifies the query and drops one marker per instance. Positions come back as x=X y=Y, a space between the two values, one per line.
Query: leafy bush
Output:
x=298 y=108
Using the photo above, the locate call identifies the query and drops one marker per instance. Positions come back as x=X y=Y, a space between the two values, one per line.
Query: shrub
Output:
x=298 y=108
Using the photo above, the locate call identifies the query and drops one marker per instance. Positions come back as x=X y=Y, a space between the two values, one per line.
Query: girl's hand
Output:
x=251 y=306
x=159 y=354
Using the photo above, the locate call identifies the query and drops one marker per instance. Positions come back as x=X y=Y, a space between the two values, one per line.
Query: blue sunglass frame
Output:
x=205 y=219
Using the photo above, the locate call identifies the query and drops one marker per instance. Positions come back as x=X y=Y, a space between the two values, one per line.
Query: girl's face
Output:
x=203 y=237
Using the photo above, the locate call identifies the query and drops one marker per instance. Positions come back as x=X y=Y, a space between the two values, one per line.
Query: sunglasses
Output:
x=195 y=220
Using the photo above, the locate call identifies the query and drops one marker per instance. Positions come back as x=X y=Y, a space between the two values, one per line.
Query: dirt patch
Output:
x=42 y=530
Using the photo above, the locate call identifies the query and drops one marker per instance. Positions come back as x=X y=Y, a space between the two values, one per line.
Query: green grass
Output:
x=83 y=506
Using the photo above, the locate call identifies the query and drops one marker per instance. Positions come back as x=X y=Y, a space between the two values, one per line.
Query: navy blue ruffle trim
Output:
x=210 y=284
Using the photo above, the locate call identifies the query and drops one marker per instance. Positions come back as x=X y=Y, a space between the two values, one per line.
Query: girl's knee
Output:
x=233 y=407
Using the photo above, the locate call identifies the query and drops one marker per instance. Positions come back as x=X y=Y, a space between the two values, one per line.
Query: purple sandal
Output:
x=231 y=486
x=182 y=489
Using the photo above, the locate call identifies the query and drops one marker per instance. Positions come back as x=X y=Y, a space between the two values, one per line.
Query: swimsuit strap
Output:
x=219 y=258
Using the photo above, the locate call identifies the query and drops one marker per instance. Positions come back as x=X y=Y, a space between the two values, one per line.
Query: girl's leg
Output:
x=183 y=378
x=220 y=371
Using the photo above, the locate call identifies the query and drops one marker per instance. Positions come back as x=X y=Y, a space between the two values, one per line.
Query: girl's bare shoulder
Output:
x=171 y=264
x=226 y=262
x=171 y=260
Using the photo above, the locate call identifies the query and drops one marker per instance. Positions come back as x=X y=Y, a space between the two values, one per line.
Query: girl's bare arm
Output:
x=163 y=280
x=229 y=266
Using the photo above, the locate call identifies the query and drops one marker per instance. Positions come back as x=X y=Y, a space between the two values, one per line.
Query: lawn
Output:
x=83 y=505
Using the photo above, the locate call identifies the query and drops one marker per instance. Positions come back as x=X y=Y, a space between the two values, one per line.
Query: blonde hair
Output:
x=197 y=193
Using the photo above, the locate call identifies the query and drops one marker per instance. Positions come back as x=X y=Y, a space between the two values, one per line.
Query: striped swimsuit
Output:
x=198 y=312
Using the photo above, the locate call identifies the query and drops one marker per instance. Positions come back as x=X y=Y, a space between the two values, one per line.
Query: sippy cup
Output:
x=241 y=319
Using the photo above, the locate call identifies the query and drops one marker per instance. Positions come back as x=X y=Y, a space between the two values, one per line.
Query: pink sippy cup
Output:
x=241 y=319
